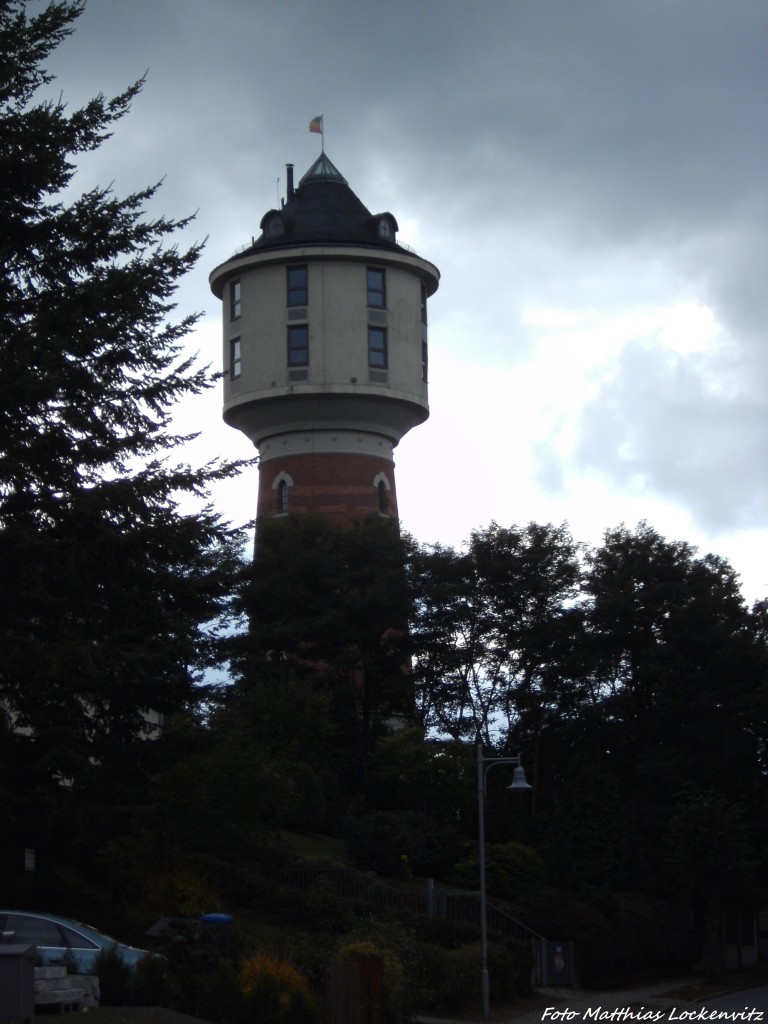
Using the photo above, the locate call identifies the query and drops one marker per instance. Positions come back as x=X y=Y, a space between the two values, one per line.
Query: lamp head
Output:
x=519 y=781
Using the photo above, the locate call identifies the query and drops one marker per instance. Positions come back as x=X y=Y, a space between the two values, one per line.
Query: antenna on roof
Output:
x=277 y=192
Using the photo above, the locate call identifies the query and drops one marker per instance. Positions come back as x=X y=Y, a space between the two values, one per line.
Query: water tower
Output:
x=325 y=349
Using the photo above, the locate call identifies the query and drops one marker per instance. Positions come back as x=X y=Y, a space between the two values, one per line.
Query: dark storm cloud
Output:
x=614 y=119
x=593 y=155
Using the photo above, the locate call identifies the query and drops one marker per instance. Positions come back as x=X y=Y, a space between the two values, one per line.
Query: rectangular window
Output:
x=424 y=361
x=377 y=348
x=297 y=286
x=235 y=362
x=376 y=293
x=298 y=345
x=423 y=303
x=234 y=300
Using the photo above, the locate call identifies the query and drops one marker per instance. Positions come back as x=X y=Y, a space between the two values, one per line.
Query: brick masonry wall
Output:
x=340 y=487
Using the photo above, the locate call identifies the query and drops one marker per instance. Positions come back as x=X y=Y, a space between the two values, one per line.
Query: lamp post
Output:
x=519 y=783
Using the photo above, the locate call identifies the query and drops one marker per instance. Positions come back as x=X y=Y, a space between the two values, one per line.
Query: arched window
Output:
x=280 y=486
x=282 y=497
x=383 y=498
x=273 y=224
x=383 y=492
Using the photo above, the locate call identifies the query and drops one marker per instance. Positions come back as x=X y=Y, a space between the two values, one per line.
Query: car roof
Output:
x=68 y=922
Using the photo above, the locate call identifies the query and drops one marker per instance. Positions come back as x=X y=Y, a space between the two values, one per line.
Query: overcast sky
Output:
x=591 y=179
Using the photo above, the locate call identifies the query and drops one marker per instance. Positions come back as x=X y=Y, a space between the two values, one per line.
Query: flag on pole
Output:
x=316 y=125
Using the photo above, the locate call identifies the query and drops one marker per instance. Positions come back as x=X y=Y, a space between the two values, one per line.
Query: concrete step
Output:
x=59 y=997
x=53 y=986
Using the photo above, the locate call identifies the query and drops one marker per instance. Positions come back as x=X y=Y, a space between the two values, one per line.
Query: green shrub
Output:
x=510 y=868
x=182 y=889
x=275 y=992
x=510 y=965
x=203 y=983
x=115 y=977
x=448 y=980
x=616 y=936
x=150 y=982
x=400 y=843
x=656 y=934
x=460 y=977
x=426 y=974
x=446 y=933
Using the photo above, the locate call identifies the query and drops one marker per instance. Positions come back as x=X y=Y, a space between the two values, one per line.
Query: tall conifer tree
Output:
x=109 y=584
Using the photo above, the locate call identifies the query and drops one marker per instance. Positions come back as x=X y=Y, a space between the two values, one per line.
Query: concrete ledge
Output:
x=59 y=996
x=47 y=973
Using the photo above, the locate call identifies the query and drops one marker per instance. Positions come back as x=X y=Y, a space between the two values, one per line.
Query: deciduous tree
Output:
x=493 y=630
x=329 y=605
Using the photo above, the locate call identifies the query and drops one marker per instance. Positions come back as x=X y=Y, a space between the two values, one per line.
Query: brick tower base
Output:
x=340 y=487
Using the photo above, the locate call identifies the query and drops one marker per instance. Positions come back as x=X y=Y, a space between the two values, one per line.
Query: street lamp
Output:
x=519 y=783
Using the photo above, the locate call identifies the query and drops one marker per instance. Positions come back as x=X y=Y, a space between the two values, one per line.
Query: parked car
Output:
x=57 y=937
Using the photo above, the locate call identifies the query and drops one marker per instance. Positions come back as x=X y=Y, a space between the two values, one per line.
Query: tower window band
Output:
x=377 y=348
x=296 y=279
x=235 y=357
x=377 y=297
x=298 y=345
x=234 y=300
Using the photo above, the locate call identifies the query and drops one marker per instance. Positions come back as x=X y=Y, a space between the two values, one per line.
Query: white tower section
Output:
x=325 y=349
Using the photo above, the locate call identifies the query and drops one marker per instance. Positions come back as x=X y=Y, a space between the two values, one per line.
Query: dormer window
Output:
x=273 y=224
x=385 y=226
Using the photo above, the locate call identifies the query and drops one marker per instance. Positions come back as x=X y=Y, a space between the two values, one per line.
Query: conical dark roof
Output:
x=323 y=169
x=324 y=209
